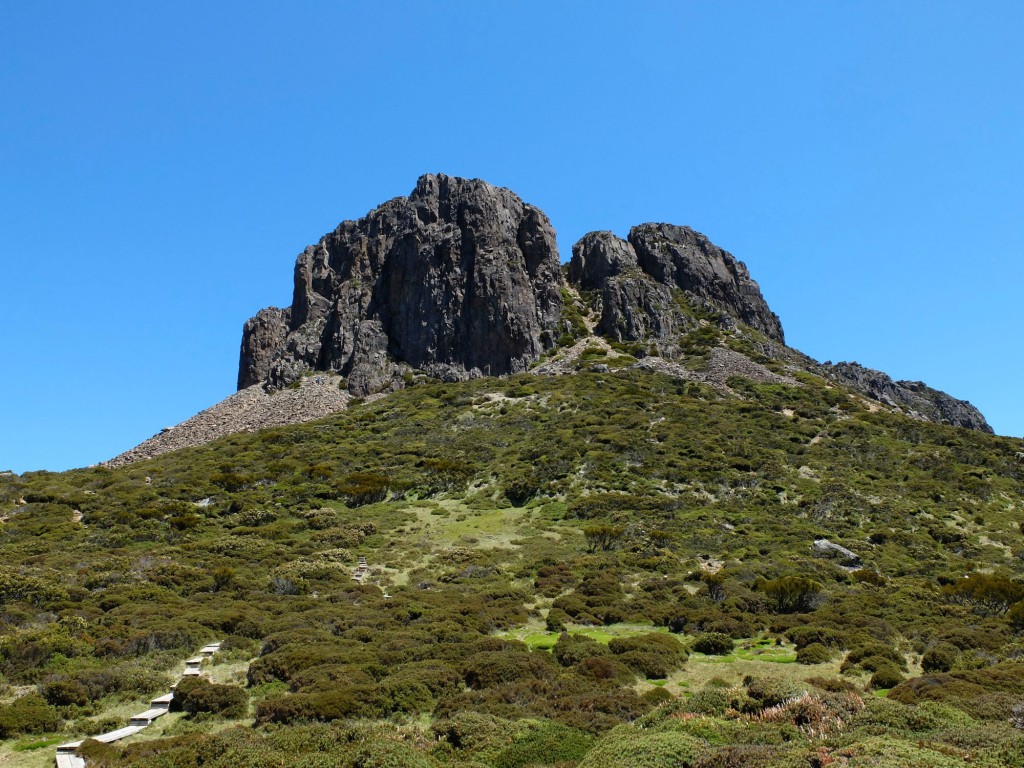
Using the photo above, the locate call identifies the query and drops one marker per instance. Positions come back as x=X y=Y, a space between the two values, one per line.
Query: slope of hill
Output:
x=615 y=567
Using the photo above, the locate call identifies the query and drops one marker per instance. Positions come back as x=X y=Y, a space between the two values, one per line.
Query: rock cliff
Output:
x=459 y=279
x=653 y=286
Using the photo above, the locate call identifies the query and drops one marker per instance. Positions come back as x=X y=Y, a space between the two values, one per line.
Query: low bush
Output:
x=27 y=714
x=625 y=746
x=490 y=668
x=542 y=743
x=815 y=653
x=713 y=644
x=939 y=658
x=323 y=707
x=886 y=676
x=223 y=700
x=654 y=655
x=572 y=649
x=770 y=691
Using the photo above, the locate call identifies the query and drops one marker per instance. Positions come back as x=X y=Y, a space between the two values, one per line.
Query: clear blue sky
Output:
x=161 y=165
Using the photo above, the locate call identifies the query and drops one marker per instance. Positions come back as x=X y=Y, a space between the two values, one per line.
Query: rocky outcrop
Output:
x=263 y=338
x=634 y=281
x=913 y=397
x=846 y=557
x=460 y=279
x=679 y=257
x=598 y=257
x=631 y=306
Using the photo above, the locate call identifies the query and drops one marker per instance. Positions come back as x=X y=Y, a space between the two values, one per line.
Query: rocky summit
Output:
x=462 y=279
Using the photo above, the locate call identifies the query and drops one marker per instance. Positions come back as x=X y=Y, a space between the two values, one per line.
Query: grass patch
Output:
x=28 y=746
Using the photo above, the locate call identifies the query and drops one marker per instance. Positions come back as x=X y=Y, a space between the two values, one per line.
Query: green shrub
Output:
x=62 y=693
x=886 y=676
x=657 y=696
x=490 y=668
x=605 y=668
x=939 y=658
x=770 y=691
x=573 y=648
x=709 y=701
x=872 y=654
x=713 y=644
x=545 y=742
x=27 y=714
x=1015 y=616
x=627 y=747
x=404 y=695
x=815 y=653
x=471 y=731
x=223 y=700
x=801 y=636
x=323 y=707
x=792 y=594
x=556 y=620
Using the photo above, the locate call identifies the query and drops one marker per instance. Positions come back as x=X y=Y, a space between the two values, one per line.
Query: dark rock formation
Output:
x=459 y=279
x=632 y=306
x=263 y=338
x=462 y=279
x=914 y=396
x=599 y=256
x=635 y=281
x=680 y=257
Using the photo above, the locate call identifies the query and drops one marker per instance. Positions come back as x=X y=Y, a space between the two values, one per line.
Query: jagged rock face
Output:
x=678 y=256
x=919 y=399
x=599 y=256
x=634 y=280
x=462 y=279
x=263 y=338
x=632 y=307
x=459 y=279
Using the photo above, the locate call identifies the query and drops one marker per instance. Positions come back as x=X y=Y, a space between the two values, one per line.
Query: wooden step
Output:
x=147 y=717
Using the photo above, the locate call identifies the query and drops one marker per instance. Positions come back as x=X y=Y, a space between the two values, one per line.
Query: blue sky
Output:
x=161 y=165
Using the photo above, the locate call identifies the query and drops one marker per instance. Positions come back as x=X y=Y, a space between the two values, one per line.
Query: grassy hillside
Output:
x=602 y=569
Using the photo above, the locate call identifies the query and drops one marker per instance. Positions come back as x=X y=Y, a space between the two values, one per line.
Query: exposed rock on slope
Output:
x=631 y=306
x=459 y=279
x=635 y=280
x=247 y=410
x=918 y=399
x=680 y=257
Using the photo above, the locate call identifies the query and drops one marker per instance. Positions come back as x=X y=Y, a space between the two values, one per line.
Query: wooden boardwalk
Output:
x=362 y=570
x=67 y=754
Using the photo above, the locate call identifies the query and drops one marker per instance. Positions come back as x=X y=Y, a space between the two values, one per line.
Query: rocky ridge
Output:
x=914 y=398
x=462 y=279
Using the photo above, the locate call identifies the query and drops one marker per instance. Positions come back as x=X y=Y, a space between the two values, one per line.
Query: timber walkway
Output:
x=67 y=754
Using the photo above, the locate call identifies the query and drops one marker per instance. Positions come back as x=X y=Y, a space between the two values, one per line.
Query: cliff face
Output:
x=459 y=279
x=679 y=257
